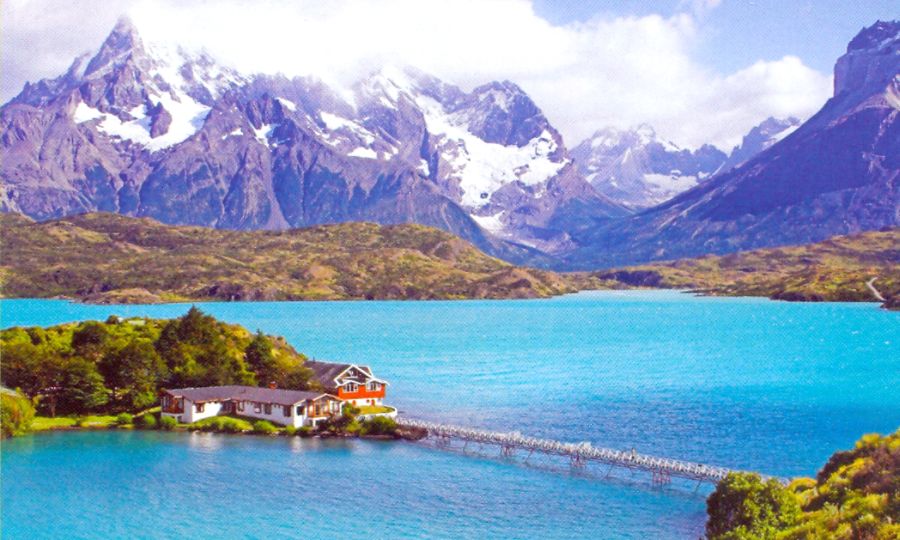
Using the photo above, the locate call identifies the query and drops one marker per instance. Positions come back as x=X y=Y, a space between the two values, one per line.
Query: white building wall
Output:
x=210 y=408
x=277 y=415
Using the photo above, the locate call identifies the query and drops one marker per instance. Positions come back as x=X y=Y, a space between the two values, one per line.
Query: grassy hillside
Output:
x=106 y=258
x=856 y=495
x=834 y=270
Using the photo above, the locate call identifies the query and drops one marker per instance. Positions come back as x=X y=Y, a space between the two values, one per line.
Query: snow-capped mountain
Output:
x=835 y=174
x=638 y=169
x=151 y=130
x=761 y=137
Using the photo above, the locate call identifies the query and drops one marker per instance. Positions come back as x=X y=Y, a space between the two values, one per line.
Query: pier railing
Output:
x=662 y=469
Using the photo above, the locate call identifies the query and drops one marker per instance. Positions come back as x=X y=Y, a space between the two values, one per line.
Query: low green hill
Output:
x=834 y=270
x=107 y=258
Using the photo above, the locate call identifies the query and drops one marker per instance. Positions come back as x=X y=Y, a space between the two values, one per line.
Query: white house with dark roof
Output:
x=350 y=382
x=285 y=407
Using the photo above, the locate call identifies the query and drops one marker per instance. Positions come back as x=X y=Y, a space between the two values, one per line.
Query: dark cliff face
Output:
x=145 y=130
x=836 y=174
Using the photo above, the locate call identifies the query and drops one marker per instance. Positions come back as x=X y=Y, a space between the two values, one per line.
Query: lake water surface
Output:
x=738 y=382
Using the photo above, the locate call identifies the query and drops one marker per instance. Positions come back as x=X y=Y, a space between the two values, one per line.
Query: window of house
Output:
x=200 y=407
x=351 y=387
x=299 y=410
x=287 y=410
x=257 y=407
x=268 y=408
x=240 y=405
x=373 y=386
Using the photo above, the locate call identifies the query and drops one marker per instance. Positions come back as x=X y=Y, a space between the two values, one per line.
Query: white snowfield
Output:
x=170 y=89
x=481 y=167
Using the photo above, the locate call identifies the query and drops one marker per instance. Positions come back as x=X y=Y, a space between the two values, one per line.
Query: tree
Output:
x=261 y=359
x=21 y=361
x=744 y=507
x=196 y=327
x=136 y=368
x=89 y=339
x=82 y=389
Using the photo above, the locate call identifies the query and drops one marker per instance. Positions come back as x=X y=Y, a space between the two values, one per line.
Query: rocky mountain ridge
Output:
x=836 y=174
x=148 y=130
x=638 y=169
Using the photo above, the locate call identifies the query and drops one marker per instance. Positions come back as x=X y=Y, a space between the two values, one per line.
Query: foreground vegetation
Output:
x=855 y=496
x=347 y=425
x=107 y=258
x=16 y=413
x=120 y=365
x=834 y=270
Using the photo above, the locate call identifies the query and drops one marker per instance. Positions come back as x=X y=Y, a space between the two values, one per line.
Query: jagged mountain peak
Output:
x=637 y=168
x=636 y=136
x=760 y=138
x=871 y=64
x=122 y=41
x=877 y=36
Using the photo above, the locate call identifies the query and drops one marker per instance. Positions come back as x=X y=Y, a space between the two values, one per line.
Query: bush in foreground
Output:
x=147 y=421
x=380 y=425
x=856 y=495
x=16 y=413
x=124 y=419
x=167 y=423
x=289 y=431
x=264 y=427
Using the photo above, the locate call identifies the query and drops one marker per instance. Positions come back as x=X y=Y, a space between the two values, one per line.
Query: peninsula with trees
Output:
x=100 y=374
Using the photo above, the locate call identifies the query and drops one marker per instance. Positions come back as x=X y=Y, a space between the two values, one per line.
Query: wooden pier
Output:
x=661 y=469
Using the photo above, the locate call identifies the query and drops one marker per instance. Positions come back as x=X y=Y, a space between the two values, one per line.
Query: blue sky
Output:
x=698 y=71
x=736 y=33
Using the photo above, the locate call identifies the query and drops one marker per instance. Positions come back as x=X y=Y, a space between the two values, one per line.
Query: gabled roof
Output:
x=245 y=393
x=327 y=373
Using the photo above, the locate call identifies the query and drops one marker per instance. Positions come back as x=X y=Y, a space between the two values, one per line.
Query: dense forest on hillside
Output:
x=120 y=365
x=106 y=258
x=855 y=496
x=834 y=270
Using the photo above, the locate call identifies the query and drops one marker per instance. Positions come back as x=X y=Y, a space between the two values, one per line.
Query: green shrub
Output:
x=80 y=420
x=380 y=425
x=167 y=423
x=147 y=421
x=16 y=414
x=264 y=427
x=290 y=431
x=354 y=427
x=124 y=419
x=350 y=409
x=233 y=426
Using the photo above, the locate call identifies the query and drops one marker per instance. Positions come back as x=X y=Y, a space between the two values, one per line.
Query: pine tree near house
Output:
x=261 y=358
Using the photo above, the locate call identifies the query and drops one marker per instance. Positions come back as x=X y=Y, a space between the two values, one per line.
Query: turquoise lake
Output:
x=739 y=382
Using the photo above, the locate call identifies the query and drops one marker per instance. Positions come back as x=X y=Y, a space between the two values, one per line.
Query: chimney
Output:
x=273 y=385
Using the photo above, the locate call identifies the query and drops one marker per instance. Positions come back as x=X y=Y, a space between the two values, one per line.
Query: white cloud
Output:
x=608 y=71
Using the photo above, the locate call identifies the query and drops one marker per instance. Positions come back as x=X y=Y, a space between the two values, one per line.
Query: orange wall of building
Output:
x=362 y=392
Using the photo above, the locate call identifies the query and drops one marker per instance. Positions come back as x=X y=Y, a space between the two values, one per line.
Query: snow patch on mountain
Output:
x=492 y=223
x=187 y=119
x=482 y=168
